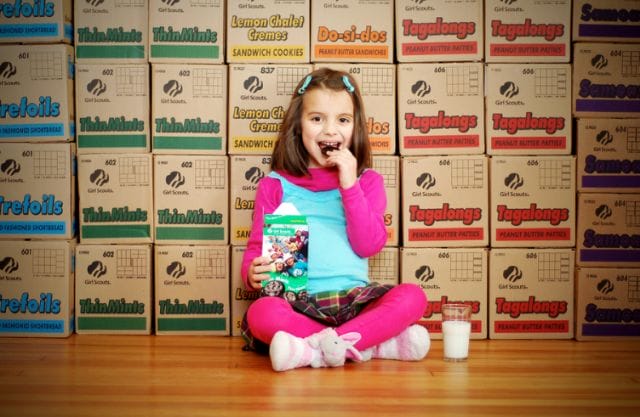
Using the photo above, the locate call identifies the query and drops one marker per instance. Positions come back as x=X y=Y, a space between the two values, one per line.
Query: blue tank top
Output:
x=333 y=265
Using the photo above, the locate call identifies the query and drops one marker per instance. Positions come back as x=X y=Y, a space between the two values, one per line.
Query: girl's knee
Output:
x=265 y=308
x=414 y=296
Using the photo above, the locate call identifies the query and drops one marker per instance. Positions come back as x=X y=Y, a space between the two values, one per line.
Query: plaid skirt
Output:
x=332 y=308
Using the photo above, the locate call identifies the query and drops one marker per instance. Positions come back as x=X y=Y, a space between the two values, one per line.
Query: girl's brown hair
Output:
x=290 y=154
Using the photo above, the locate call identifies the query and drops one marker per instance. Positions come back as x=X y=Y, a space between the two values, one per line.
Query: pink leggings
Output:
x=380 y=320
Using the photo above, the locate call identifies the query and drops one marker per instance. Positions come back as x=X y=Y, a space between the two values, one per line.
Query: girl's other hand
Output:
x=258 y=271
x=347 y=166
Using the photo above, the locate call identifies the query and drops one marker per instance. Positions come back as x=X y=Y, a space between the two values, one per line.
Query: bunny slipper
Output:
x=323 y=349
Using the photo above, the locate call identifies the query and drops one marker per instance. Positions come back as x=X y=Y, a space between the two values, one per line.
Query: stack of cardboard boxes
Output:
x=175 y=108
x=37 y=175
x=606 y=103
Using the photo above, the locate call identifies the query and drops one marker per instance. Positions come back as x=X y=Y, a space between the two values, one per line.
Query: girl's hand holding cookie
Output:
x=347 y=165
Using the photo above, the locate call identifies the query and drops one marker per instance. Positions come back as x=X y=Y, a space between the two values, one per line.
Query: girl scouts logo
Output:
x=10 y=167
x=254 y=175
x=96 y=87
x=425 y=181
x=172 y=88
x=514 y=181
x=175 y=179
x=603 y=212
x=9 y=265
x=170 y=2
x=599 y=61
x=512 y=274
x=424 y=273
x=604 y=137
x=95 y=3
x=605 y=286
x=97 y=269
x=99 y=177
x=509 y=89
x=253 y=84
x=7 y=70
x=176 y=270
x=421 y=88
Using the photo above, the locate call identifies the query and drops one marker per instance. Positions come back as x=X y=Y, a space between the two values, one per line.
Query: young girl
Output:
x=321 y=164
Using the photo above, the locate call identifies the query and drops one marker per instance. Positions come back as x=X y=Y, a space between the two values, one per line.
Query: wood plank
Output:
x=97 y=375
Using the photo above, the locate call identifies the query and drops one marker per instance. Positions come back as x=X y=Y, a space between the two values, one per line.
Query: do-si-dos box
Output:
x=37 y=93
x=377 y=83
x=241 y=297
x=439 y=31
x=528 y=109
x=389 y=167
x=189 y=108
x=608 y=155
x=192 y=290
x=606 y=80
x=606 y=20
x=607 y=304
x=384 y=266
x=112 y=108
x=352 y=31
x=113 y=289
x=285 y=241
x=445 y=201
x=533 y=201
x=449 y=275
x=268 y=31
x=37 y=191
x=527 y=31
x=441 y=108
x=36 y=288
x=36 y=21
x=258 y=98
x=191 y=199
x=115 y=194
x=246 y=173
x=531 y=293
x=186 y=31
x=608 y=230
x=111 y=31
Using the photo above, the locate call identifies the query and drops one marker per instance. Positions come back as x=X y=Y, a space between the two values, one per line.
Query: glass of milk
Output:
x=456 y=331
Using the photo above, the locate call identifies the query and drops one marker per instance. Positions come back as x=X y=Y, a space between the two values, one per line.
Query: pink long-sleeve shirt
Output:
x=364 y=205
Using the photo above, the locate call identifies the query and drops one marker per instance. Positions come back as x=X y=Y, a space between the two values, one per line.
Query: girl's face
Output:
x=327 y=120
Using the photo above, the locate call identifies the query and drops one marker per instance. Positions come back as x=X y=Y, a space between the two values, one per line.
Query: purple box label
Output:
x=609 y=31
x=611 y=181
x=610 y=255
x=608 y=106
x=610 y=329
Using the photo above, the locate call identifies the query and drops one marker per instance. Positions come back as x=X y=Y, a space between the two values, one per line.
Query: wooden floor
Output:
x=211 y=376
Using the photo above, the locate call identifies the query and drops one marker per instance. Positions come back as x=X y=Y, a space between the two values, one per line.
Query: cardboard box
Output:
x=36 y=288
x=191 y=199
x=531 y=293
x=113 y=108
x=533 y=201
x=258 y=98
x=113 y=289
x=384 y=267
x=241 y=297
x=268 y=31
x=37 y=191
x=377 y=84
x=445 y=201
x=246 y=172
x=606 y=20
x=439 y=31
x=37 y=93
x=528 y=109
x=192 y=290
x=449 y=275
x=441 y=108
x=116 y=198
x=189 y=109
x=352 y=31
x=608 y=155
x=111 y=31
x=606 y=79
x=36 y=21
x=607 y=304
x=186 y=32
x=531 y=31
x=389 y=168
x=609 y=230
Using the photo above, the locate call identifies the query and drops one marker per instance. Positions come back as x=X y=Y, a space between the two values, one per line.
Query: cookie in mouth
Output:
x=326 y=147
